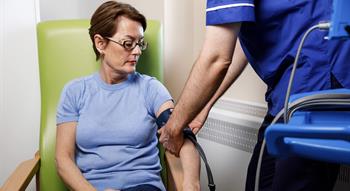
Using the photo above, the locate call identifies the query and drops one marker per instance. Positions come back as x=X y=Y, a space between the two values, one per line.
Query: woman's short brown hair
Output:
x=103 y=20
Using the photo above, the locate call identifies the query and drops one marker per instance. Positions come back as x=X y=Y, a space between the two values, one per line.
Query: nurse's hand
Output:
x=172 y=141
x=198 y=122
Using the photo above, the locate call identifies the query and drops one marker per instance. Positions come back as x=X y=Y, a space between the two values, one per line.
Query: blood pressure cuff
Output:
x=164 y=117
x=162 y=120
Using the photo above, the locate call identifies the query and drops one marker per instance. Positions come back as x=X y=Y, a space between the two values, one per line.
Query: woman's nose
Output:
x=137 y=50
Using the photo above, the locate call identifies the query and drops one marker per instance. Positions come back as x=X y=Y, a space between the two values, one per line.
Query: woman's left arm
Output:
x=186 y=169
x=167 y=105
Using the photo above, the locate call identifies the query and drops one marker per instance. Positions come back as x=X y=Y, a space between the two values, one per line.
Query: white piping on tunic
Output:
x=230 y=6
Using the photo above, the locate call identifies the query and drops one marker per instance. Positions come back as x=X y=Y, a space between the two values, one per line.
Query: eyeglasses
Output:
x=130 y=45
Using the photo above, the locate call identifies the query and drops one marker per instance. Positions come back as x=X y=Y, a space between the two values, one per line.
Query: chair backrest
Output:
x=65 y=52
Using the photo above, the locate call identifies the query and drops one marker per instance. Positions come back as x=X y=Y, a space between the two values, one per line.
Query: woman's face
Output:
x=117 y=58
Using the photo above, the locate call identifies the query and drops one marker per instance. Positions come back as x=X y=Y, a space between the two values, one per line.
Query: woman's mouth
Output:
x=133 y=62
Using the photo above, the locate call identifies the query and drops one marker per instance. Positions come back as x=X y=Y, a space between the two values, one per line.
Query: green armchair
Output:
x=65 y=53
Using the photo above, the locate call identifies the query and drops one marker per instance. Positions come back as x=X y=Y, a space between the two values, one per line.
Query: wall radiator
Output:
x=228 y=138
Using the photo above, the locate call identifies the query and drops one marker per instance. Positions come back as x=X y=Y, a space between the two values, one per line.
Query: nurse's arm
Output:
x=206 y=76
x=65 y=158
x=239 y=62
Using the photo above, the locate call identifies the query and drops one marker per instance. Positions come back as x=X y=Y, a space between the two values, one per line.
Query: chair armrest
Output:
x=23 y=174
x=175 y=176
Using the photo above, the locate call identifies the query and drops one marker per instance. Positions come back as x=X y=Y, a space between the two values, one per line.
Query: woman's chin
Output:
x=131 y=70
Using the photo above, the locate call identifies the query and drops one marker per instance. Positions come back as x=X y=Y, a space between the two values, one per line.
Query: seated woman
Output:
x=106 y=129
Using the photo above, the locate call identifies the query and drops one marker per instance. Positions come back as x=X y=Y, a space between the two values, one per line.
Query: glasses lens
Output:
x=143 y=45
x=129 y=45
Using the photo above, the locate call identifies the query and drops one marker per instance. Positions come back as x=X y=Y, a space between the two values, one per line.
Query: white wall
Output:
x=77 y=9
x=2 y=46
x=178 y=41
x=19 y=84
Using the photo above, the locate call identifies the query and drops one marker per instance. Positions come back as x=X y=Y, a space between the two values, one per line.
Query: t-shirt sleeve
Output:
x=229 y=11
x=156 y=96
x=67 y=109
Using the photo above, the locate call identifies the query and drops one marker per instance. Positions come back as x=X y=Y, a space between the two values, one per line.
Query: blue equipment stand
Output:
x=319 y=131
x=340 y=27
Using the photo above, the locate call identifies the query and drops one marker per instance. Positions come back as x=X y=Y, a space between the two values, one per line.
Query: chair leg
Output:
x=37 y=175
x=37 y=181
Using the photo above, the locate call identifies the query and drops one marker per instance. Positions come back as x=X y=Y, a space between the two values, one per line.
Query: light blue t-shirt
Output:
x=116 y=142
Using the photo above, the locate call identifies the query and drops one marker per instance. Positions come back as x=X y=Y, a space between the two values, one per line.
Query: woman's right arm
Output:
x=65 y=158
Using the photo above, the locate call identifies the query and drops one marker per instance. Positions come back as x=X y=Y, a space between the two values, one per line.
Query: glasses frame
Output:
x=142 y=45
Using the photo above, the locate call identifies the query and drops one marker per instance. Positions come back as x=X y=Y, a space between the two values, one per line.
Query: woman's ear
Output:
x=100 y=43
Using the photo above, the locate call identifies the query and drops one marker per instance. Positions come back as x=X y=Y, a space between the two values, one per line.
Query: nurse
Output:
x=266 y=33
